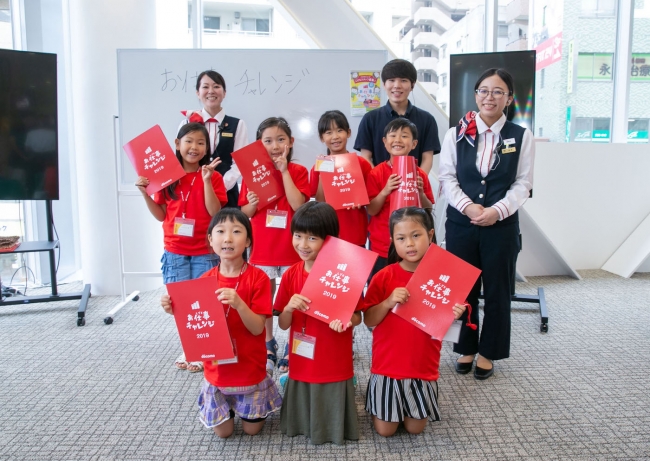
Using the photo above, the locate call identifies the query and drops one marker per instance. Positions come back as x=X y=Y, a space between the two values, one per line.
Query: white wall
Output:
x=588 y=198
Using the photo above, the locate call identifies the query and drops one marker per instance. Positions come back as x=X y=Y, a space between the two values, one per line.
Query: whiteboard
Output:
x=155 y=85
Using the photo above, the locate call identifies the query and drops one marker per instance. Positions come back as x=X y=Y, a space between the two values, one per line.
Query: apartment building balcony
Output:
x=517 y=10
x=428 y=15
x=407 y=37
x=426 y=40
x=518 y=45
x=426 y=64
x=430 y=87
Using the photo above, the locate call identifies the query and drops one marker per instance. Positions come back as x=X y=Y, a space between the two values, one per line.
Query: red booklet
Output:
x=408 y=193
x=440 y=281
x=337 y=279
x=200 y=320
x=344 y=187
x=152 y=157
x=259 y=172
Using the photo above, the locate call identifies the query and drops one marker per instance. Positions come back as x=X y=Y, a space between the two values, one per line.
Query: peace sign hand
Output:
x=207 y=170
x=281 y=161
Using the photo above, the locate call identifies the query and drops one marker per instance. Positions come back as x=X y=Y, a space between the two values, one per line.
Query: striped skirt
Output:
x=393 y=400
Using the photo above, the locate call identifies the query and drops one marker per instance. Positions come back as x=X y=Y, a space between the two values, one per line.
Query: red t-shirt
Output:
x=399 y=349
x=332 y=360
x=273 y=246
x=255 y=290
x=192 y=184
x=378 y=226
x=353 y=224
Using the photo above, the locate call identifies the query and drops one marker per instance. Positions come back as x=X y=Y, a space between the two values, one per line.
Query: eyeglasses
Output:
x=496 y=94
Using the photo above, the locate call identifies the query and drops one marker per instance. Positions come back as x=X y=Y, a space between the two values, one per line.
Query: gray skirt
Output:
x=322 y=412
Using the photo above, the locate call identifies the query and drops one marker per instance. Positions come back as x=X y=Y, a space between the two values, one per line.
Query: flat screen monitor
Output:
x=29 y=168
x=467 y=68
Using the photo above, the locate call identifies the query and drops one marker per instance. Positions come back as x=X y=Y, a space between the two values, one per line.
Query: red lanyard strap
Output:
x=184 y=198
x=243 y=268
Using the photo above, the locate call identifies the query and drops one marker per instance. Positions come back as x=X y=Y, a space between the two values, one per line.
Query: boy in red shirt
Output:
x=400 y=138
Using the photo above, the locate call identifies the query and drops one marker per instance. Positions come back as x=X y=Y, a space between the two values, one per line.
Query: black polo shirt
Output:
x=371 y=132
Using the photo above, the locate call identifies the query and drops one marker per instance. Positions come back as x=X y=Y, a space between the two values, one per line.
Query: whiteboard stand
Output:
x=135 y=295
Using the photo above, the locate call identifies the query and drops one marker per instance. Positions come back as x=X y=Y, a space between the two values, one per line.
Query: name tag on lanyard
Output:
x=304 y=345
x=184 y=226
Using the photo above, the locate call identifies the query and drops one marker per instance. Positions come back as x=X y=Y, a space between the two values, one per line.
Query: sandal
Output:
x=271 y=355
x=283 y=363
x=195 y=367
x=181 y=363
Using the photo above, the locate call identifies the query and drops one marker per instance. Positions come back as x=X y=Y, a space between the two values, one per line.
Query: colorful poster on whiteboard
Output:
x=365 y=92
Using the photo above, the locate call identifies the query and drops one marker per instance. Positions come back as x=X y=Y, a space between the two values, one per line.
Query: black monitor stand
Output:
x=49 y=245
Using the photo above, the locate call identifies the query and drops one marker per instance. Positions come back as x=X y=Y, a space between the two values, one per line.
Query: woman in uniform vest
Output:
x=227 y=134
x=486 y=173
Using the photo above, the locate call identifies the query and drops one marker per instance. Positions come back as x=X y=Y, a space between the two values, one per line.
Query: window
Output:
x=426 y=53
x=503 y=30
x=255 y=25
x=426 y=28
x=211 y=22
x=6 y=39
x=598 y=8
x=592 y=129
x=459 y=44
x=443 y=80
x=595 y=66
x=426 y=77
x=443 y=51
x=367 y=17
x=544 y=15
x=637 y=130
x=542 y=77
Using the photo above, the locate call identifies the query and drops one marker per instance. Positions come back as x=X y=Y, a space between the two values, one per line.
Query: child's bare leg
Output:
x=252 y=428
x=384 y=428
x=414 y=426
x=225 y=429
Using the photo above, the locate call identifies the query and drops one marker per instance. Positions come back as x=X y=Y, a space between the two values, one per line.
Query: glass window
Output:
x=592 y=129
x=443 y=80
x=637 y=130
x=639 y=102
x=6 y=39
x=595 y=66
x=211 y=23
x=598 y=8
x=582 y=130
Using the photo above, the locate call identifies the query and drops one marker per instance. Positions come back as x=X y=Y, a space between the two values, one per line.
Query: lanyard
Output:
x=243 y=268
x=184 y=198
x=302 y=284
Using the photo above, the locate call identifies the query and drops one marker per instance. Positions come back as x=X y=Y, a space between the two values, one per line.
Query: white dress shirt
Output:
x=241 y=140
x=488 y=140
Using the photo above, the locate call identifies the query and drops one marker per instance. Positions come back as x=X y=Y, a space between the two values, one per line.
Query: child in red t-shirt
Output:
x=185 y=208
x=273 y=252
x=242 y=388
x=319 y=392
x=400 y=138
x=403 y=384
x=334 y=131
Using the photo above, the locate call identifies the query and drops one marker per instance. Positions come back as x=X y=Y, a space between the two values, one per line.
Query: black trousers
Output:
x=493 y=249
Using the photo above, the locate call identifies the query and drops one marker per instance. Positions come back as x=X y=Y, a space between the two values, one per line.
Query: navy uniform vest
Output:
x=224 y=149
x=489 y=190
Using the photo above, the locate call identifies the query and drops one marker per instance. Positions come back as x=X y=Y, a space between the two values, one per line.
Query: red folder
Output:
x=152 y=157
x=345 y=187
x=440 y=281
x=200 y=320
x=259 y=172
x=337 y=279
x=408 y=193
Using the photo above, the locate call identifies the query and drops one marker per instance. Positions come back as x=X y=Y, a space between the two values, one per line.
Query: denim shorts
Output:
x=176 y=268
